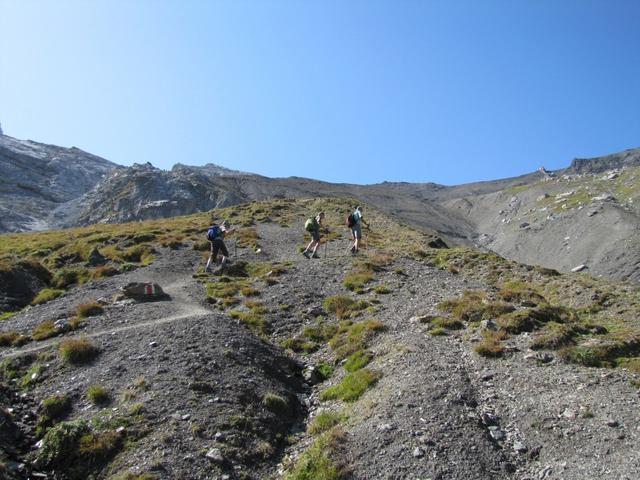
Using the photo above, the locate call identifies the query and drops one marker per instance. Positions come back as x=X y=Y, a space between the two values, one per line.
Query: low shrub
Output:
x=78 y=351
x=46 y=295
x=12 y=339
x=98 y=395
x=44 y=330
x=491 y=344
x=316 y=462
x=325 y=370
x=343 y=306
x=276 y=403
x=52 y=409
x=447 y=323
x=555 y=335
x=437 y=332
x=104 y=271
x=325 y=420
x=254 y=321
x=355 y=281
x=89 y=309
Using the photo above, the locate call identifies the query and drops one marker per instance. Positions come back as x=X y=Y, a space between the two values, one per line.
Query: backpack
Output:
x=213 y=232
x=350 y=220
x=310 y=224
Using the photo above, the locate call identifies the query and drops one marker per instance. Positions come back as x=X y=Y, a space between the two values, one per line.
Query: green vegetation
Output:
x=89 y=309
x=76 y=449
x=52 y=409
x=343 y=306
x=473 y=306
x=325 y=370
x=352 y=336
x=254 y=321
x=357 y=360
x=46 y=295
x=316 y=463
x=98 y=395
x=325 y=420
x=6 y=315
x=44 y=330
x=352 y=386
x=276 y=403
x=356 y=280
x=78 y=351
x=12 y=339
x=491 y=344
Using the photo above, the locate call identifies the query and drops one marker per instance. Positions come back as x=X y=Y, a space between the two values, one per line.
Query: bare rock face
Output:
x=36 y=178
x=144 y=192
x=628 y=158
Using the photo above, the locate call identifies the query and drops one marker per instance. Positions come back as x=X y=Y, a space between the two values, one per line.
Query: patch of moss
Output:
x=46 y=295
x=352 y=386
x=357 y=360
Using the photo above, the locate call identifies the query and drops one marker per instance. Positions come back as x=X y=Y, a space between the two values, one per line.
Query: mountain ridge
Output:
x=468 y=214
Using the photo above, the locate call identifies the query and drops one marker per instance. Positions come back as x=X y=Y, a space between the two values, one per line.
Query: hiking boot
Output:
x=306 y=254
x=353 y=249
x=315 y=255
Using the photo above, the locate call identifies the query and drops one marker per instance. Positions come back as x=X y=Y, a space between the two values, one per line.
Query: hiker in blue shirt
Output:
x=216 y=239
x=356 y=229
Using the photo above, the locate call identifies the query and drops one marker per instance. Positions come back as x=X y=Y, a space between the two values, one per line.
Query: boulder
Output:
x=143 y=291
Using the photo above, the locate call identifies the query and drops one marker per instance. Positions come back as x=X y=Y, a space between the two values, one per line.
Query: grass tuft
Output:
x=352 y=386
x=89 y=309
x=98 y=395
x=78 y=351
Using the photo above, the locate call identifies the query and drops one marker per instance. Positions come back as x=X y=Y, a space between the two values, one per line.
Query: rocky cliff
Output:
x=36 y=178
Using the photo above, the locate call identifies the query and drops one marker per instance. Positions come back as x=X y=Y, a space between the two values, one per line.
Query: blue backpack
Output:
x=213 y=232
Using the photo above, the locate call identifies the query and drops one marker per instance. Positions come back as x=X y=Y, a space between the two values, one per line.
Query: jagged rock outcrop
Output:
x=627 y=158
x=36 y=178
x=143 y=192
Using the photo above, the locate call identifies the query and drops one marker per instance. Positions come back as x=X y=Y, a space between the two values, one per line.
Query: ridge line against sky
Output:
x=357 y=92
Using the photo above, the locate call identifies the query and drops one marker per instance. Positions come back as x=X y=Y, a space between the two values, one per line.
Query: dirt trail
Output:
x=183 y=306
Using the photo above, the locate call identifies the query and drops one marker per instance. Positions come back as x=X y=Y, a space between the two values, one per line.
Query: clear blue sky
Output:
x=346 y=90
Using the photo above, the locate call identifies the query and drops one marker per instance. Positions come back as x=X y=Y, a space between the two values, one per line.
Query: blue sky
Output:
x=346 y=91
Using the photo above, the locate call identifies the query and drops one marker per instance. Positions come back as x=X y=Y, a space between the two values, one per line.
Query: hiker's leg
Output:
x=315 y=236
x=224 y=251
x=213 y=255
x=357 y=233
x=310 y=245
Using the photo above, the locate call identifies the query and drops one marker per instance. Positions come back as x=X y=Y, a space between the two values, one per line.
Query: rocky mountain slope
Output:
x=580 y=217
x=405 y=361
x=36 y=178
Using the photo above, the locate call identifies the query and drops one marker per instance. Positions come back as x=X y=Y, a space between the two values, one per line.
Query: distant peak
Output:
x=1 y=132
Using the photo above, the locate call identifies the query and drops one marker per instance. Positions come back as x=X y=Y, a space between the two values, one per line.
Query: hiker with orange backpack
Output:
x=354 y=222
